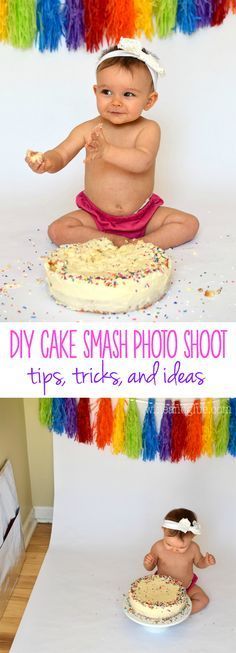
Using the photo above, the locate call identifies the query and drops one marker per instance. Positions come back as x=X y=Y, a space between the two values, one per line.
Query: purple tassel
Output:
x=70 y=417
x=73 y=23
x=232 y=428
x=49 y=24
x=204 y=12
x=149 y=434
x=58 y=415
x=164 y=439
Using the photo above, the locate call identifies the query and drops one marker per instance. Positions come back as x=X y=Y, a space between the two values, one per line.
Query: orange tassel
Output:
x=120 y=19
x=104 y=423
x=194 y=432
x=178 y=433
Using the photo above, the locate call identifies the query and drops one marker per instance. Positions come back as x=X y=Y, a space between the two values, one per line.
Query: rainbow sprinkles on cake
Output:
x=99 y=277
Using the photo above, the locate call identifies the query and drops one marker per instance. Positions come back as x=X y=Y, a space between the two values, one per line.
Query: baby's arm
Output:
x=57 y=158
x=151 y=558
x=134 y=159
x=202 y=561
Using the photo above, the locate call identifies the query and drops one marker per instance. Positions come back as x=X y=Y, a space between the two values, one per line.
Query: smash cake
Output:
x=99 y=277
x=157 y=597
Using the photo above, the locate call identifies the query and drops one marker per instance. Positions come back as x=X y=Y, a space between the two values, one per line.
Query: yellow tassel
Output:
x=3 y=20
x=118 y=432
x=208 y=428
x=143 y=18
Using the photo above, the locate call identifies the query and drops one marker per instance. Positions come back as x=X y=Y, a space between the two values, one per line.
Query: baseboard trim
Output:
x=43 y=514
x=28 y=527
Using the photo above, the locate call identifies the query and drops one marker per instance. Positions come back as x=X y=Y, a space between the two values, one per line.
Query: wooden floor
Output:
x=34 y=557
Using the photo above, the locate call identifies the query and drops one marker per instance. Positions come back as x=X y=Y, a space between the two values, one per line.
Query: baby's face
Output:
x=176 y=545
x=123 y=94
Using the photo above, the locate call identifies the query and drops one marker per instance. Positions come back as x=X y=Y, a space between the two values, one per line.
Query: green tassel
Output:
x=45 y=412
x=222 y=428
x=21 y=23
x=133 y=431
x=164 y=12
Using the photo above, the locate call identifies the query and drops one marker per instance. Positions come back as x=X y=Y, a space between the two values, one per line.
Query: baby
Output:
x=121 y=148
x=176 y=554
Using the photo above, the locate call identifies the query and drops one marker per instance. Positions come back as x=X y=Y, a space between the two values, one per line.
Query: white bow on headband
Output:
x=183 y=525
x=132 y=48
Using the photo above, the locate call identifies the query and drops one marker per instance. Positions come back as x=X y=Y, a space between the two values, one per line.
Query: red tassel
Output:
x=104 y=423
x=120 y=20
x=84 y=430
x=95 y=22
x=220 y=10
x=193 y=447
x=178 y=433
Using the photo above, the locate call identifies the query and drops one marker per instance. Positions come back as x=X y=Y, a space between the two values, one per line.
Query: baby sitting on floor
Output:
x=176 y=554
x=121 y=148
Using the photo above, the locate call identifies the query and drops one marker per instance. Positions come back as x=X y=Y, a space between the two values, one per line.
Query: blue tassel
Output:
x=58 y=416
x=187 y=16
x=49 y=24
x=232 y=428
x=70 y=408
x=149 y=434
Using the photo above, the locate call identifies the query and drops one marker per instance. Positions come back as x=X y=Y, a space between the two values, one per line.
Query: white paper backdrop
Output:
x=107 y=513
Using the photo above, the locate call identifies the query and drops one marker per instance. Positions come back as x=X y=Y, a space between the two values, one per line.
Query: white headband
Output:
x=132 y=48
x=183 y=525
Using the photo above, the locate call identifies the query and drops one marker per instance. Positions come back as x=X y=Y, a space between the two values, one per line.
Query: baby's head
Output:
x=179 y=527
x=126 y=81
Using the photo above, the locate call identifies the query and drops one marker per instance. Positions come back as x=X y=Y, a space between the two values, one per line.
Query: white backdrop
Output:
x=107 y=514
x=45 y=95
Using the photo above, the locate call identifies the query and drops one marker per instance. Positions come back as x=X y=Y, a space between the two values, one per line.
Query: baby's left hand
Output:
x=96 y=144
x=209 y=559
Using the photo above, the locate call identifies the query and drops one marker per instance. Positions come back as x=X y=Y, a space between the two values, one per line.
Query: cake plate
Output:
x=157 y=623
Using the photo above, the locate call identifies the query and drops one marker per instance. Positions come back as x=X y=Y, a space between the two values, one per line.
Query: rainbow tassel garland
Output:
x=179 y=437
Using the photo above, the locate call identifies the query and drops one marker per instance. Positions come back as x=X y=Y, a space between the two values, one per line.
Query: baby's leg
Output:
x=78 y=227
x=169 y=228
x=198 y=597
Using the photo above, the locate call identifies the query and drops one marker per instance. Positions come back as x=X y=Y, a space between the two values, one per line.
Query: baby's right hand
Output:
x=149 y=561
x=36 y=161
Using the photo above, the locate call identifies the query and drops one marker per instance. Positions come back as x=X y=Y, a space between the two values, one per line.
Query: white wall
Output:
x=44 y=95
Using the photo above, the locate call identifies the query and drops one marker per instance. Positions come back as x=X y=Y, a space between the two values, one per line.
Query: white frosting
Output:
x=97 y=276
x=157 y=597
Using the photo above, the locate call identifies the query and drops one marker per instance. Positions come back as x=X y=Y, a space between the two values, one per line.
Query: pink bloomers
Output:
x=129 y=226
x=193 y=582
